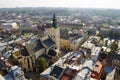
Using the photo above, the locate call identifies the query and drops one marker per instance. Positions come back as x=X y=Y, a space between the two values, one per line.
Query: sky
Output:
x=114 y=4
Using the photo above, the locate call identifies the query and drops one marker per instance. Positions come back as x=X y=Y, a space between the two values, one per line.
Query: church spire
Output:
x=54 y=23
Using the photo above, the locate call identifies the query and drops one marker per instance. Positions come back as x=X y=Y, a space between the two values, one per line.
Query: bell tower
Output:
x=55 y=32
x=54 y=21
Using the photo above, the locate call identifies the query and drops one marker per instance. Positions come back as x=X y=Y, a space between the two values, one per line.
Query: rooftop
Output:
x=68 y=74
x=33 y=46
x=67 y=63
x=97 y=70
x=2 y=48
x=110 y=76
x=47 y=42
x=86 y=70
x=91 y=42
x=10 y=42
x=57 y=72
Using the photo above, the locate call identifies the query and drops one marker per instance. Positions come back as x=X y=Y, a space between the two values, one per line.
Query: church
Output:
x=46 y=45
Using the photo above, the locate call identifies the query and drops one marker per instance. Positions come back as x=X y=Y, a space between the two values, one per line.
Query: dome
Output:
x=14 y=25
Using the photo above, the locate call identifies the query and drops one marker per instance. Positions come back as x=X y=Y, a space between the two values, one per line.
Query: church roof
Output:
x=47 y=42
x=33 y=46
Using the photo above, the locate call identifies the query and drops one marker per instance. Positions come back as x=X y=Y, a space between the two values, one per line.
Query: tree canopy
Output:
x=100 y=35
x=113 y=47
x=41 y=64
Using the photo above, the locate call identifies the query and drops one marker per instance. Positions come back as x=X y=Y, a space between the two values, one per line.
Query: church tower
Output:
x=54 y=32
x=54 y=23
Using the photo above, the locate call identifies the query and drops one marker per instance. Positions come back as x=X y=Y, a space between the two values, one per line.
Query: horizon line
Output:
x=59 y=7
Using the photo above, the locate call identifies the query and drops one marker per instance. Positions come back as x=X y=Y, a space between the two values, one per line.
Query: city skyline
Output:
x=61 y=3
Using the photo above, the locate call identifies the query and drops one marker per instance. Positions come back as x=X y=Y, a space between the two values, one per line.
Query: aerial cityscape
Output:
x=59 y=42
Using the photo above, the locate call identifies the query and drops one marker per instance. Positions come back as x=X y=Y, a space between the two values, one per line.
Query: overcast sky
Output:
x=61 y=3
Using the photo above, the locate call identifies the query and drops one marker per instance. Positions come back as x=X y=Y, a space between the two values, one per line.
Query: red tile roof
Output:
x=96 y=73
x=66 y=77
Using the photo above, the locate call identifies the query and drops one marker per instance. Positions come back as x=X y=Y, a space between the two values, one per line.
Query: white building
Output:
x=69 y=60
x=95 y=53
x=119 y=47
x=110 y=76
x=92 y=43
x=84 y=73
